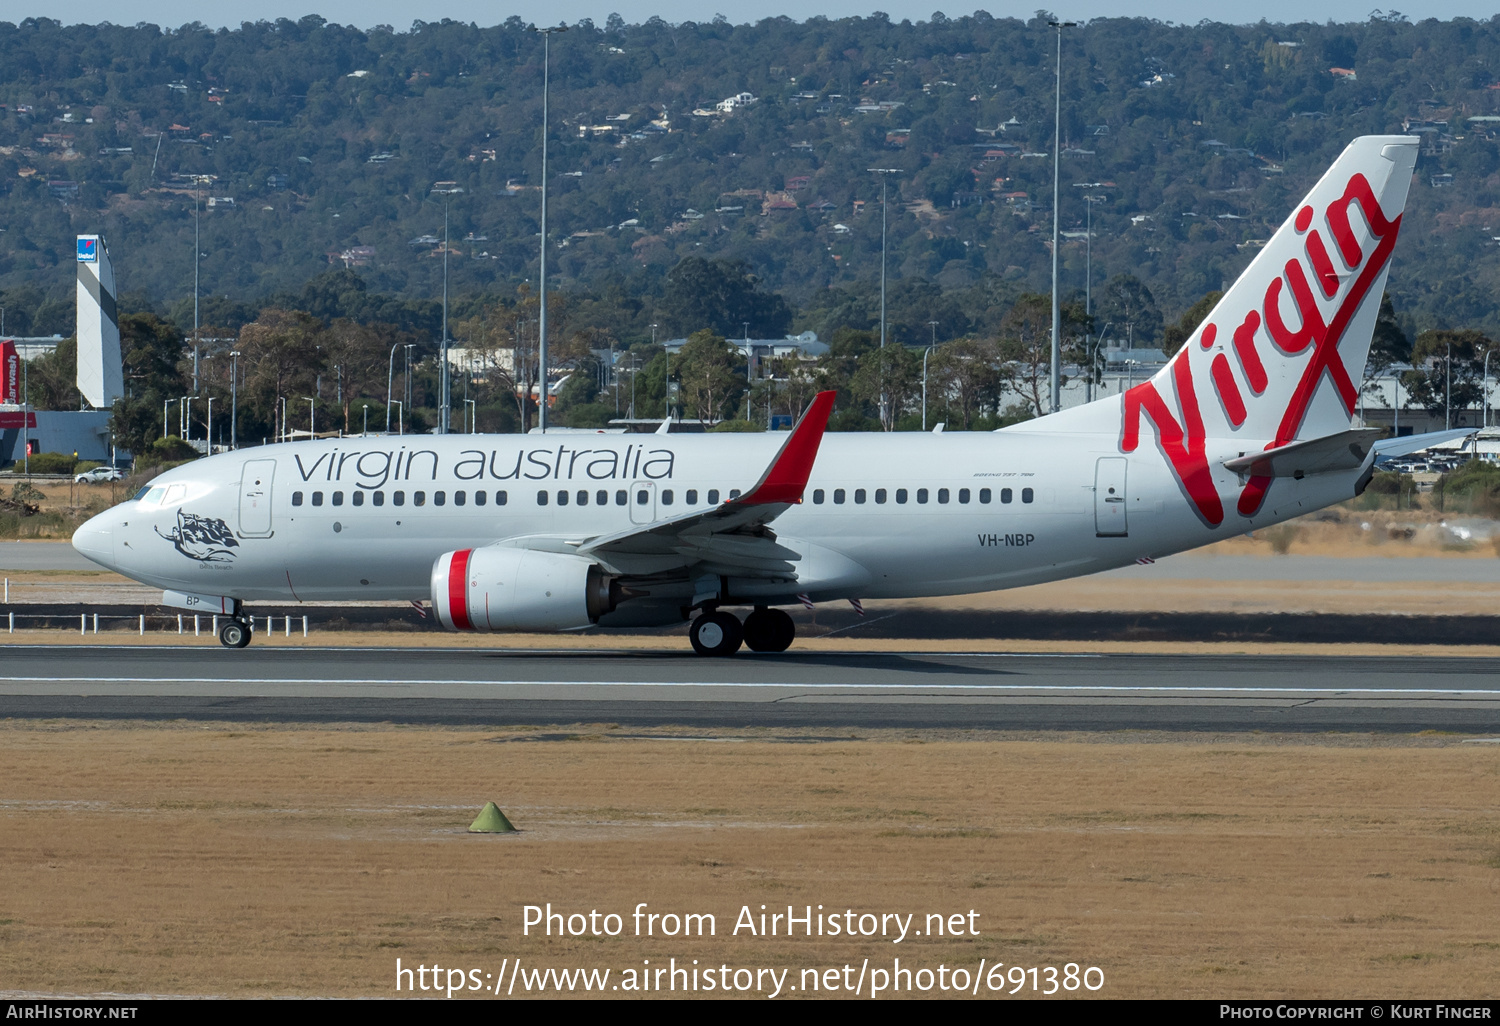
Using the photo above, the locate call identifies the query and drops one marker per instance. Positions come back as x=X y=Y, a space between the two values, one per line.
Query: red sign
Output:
x=10 y=373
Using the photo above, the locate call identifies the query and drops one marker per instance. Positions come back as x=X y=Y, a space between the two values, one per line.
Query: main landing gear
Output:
x=235 y=634
x=717 y=633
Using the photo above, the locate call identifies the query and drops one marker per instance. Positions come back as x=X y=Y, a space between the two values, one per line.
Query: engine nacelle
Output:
x=497 y=588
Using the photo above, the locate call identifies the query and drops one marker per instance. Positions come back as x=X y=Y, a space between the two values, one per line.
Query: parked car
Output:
x=98 y=474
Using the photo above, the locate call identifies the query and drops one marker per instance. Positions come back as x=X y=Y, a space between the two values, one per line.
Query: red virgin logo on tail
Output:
x=1183 y=441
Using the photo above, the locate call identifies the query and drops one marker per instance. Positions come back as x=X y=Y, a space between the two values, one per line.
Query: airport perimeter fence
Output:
x=196 y=624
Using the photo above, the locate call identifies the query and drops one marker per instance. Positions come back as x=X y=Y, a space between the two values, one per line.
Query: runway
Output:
x=957 y=690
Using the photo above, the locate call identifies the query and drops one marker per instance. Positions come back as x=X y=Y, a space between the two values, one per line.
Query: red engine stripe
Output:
x=458 y=590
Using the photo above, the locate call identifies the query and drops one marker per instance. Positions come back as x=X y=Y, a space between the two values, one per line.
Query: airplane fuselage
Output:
x=884 y=515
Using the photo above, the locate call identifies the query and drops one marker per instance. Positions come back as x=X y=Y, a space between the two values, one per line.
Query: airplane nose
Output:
x=96 y=540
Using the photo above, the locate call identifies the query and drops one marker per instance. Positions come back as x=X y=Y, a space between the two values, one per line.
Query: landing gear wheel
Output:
x=716 y=634
x=769 y=630
x=234 y=634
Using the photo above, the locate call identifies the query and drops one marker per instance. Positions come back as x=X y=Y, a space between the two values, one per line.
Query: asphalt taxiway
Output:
x=929 y=690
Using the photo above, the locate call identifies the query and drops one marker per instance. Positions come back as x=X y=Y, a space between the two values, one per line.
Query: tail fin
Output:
x=1281 y=356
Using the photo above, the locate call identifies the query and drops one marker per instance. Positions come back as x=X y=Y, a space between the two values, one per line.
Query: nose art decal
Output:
x=206 y=539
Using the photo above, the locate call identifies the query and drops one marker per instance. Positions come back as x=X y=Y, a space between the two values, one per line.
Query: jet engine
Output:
x=497 y=588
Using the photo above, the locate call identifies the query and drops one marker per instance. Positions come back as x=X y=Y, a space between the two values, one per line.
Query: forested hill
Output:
x=324 y=144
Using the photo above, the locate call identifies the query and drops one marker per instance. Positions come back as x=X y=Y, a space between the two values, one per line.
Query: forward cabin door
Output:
x=1109 y=497
x=255 y=498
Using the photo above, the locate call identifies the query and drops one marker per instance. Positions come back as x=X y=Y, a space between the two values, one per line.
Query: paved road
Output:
x=15 y=555
x=1108 y=692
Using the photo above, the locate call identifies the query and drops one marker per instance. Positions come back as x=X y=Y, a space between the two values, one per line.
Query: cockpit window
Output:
x=175 y=493
x=152 y=496
x=143 y=493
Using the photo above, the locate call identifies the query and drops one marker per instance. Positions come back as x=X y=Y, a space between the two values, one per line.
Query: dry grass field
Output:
x=203 y=859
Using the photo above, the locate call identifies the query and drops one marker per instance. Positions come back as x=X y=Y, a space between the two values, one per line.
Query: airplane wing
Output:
x=732 y=538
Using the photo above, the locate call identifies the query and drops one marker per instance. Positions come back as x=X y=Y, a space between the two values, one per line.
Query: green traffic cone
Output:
x=491 y=821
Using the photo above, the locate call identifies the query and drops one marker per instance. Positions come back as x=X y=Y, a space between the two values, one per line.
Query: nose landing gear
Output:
x=235 y=634
x=717 y=633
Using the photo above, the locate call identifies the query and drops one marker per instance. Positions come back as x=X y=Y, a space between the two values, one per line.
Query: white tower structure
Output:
x=100 y=376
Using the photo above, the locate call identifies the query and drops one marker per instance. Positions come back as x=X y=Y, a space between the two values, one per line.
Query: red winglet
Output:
x=786 y=478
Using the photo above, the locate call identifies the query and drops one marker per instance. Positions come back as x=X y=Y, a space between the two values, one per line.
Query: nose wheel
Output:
x=716 y=634
x=235 y=634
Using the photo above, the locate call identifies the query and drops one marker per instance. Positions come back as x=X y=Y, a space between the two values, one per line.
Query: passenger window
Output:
x=692 y=496
x=859 y=495
x=900 y=494
x=713 y=496
x=1027 y=495
x=818 y=496
x=398 y=498
x=601 y=498
x=439 y=498
x=562 y=497
x=734 y=493
x=501 y=498
x=175 y=493
x=666 y=497
x=921 y=494
x=459 y=498
x=642 y=497
x=357 y=499
x=838 y=496
x=963 y=495
x=541 y=497
x=880 y=495
x=338 y=498
x=942 y=495
x=317 y=498
x=479 y=498
x=378 y=499
x=620 y=498
x=296 y=497
x=419 y=498
x=583 y=497
x=1005 y=495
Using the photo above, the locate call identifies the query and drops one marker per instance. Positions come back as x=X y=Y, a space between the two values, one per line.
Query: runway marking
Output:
x=852 y=689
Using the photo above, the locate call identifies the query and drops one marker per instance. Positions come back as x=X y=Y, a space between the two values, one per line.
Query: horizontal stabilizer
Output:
x=1416 y=443
x=1346 y=450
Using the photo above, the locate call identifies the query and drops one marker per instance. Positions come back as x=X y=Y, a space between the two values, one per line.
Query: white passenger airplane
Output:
x=1248 y=425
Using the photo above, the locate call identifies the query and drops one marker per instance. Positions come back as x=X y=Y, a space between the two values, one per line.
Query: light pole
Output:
x=406 y=387
x=473 y=414
x=281 y=404
x=197 y=253
x=924 y=379
x=234 y=397
x=1056 y=178
x=366 y=429
x=187 y=417
x=1487 y=387
x=390 y=376
x=208 y=426
x=166 y=429
x=884 y=173
x=312 y=431
x=400 y=428
x=444 y=416
x=1448 y=388
x=542 y=290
